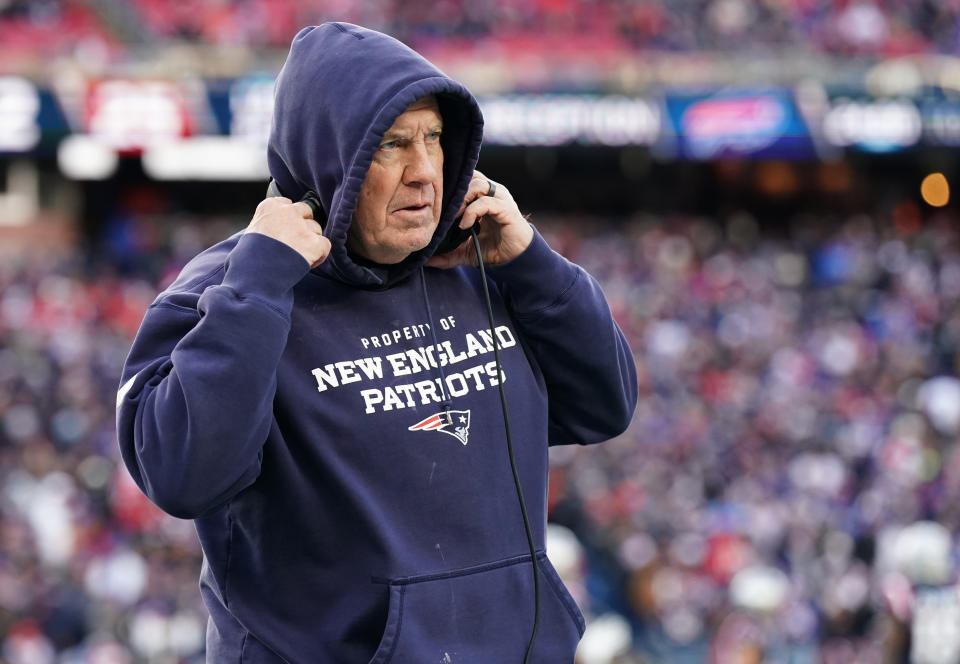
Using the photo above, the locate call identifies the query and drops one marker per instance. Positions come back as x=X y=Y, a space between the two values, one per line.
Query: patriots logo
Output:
x=455 y=423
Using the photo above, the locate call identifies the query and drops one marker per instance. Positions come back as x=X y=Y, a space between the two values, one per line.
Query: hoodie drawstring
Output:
x=433 y=333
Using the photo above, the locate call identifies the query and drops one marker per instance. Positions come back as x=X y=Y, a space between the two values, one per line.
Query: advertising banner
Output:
x=754 y=124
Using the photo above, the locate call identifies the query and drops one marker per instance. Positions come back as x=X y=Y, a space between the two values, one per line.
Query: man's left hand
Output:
x=504 y=233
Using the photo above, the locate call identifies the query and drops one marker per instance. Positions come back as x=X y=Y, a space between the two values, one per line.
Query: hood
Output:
x=340 y=89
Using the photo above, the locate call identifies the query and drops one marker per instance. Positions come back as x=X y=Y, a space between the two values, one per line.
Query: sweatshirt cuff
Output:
x=536 y=278
x=260 y=265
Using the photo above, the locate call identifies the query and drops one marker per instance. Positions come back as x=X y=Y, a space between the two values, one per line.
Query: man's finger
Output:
x=270 y=203
x=323 y=251
x=459 y=256
x=474 y=191
x=438 y=261
x=305 y=210
x=482 y=206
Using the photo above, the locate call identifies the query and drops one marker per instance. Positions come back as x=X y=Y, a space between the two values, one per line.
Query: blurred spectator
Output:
x=90 y=572
x=862 y=27
x=798 y=406
x=50 y=27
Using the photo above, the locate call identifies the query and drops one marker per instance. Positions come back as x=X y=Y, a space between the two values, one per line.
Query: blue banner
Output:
x=757 y=124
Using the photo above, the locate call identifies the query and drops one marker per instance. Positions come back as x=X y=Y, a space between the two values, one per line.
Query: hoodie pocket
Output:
x=479 y=615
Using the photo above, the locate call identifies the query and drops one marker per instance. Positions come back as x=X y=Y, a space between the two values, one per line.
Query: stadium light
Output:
x=880 y=126
x=83 y=157
x=218 y=158
x=935 y=190
x=19 y=104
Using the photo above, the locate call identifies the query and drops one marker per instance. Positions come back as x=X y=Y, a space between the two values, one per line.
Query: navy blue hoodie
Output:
x=336 y=433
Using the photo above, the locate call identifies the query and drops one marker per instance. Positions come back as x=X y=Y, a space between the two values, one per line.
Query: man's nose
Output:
x=421 y=167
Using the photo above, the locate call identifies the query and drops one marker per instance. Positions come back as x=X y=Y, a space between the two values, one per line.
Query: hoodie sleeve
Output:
x=195 y=405
x=588 y=367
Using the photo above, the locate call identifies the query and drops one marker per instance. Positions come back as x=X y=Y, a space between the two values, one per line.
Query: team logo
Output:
x=455 y=423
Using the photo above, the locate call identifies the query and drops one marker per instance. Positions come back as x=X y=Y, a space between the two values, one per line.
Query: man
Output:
x=325 y=406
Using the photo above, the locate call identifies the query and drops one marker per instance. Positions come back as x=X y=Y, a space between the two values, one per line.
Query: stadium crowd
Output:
x=798 y=408
x=863 y=27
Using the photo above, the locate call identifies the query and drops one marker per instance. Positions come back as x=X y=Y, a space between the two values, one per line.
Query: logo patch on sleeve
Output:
x=454 y=423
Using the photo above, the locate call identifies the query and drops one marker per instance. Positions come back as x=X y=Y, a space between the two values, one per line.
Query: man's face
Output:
x=400 y=202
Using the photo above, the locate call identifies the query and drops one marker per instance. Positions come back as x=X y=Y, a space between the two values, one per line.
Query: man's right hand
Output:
x=293 y=224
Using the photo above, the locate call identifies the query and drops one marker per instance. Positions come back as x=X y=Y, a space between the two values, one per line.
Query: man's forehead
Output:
x=414 y=114
x=430 y=101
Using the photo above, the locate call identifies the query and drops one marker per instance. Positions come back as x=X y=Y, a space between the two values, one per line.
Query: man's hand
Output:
x=504 y=232
x=293 y=224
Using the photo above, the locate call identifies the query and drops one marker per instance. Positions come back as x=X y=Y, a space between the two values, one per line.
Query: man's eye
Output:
x=433 y=136
x=389 y=145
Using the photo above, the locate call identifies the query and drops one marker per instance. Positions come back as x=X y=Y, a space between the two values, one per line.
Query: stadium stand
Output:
x=865 y=27
x=788 y=489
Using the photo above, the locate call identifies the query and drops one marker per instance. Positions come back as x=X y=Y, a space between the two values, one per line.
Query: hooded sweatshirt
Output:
x=336 y=433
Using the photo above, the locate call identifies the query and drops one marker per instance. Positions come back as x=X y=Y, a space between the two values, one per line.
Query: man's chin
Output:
x=412 y=244
x=393 y=254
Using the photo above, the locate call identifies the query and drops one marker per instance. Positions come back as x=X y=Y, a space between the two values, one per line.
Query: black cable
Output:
x=513 y=461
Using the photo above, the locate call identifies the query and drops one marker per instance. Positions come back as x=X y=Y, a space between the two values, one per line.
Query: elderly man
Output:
x=324 y=401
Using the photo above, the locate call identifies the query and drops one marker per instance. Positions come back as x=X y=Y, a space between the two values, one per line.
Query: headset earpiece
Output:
x=310 y=198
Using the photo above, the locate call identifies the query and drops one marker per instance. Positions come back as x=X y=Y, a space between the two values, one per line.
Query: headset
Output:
x=310 y=198
x=453 y=239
